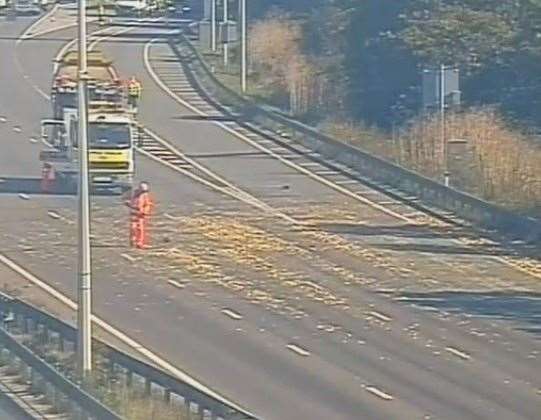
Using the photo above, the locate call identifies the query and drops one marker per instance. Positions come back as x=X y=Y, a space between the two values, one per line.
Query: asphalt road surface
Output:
x=291 y=324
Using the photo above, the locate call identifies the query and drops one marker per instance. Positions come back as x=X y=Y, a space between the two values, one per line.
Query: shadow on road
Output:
x=18 y=185
x=221 y=118
x=32 y=186
x=406 y=231
x=522 y=308
x=471 y=245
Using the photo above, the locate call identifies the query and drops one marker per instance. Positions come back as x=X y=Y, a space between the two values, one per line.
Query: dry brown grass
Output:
x=484 y=155
x=362 y=136
x=494 y=161
x=138 y=407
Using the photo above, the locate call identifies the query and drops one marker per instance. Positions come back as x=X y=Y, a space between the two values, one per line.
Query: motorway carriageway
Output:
x=363 y=356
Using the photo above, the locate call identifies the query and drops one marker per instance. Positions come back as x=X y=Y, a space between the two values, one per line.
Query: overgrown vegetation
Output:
x=130 y=402
x=353 y=67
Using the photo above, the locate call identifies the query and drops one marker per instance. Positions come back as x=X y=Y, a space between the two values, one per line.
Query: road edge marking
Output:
x=287 y=162
x=136 y=346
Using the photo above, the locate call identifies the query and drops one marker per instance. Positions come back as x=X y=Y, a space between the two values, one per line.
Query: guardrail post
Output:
x=3 y=355
x=148 y=386
x=167 y=396
x=78 y=412
x=13 y=361
x=24 y=325
x=61 y=345
x=188 y=407
x=30 y=325
x=36 y=382
x=129 y=378
x=19 y=322
x=201 y=413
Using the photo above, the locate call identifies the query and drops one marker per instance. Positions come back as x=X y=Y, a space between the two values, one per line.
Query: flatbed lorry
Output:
x=112 y=128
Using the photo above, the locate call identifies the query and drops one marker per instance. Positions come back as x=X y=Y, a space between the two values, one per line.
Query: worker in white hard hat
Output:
x=141 y=206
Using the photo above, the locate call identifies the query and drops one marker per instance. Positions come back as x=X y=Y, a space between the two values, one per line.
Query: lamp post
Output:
x=213 y=25
x=225 y=32
x=243 y=40
x=84 y=333
x=442 y=126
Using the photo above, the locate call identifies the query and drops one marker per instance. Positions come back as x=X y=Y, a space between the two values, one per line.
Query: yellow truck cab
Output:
x=112 y=137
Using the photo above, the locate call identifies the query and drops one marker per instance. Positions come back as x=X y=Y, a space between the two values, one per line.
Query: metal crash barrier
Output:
x=377 y=170
x=128 y=369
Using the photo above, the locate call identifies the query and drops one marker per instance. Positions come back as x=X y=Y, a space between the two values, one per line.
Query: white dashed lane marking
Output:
x=176 y=284
x=458 y=353
x=128 y=257
x=24 y=196
x=379 y=393
x=53 y=215
x=231 y=314
x=299 y=350
x=380 y=316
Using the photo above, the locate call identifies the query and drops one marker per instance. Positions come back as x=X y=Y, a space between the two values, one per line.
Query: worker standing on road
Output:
x=134 y=92
x=48 y=177
x=141 y=206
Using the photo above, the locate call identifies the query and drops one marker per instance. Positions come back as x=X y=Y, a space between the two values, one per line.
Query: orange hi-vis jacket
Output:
x=142 y=204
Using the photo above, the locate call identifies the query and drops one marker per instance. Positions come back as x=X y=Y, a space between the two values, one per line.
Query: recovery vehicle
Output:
x=112 y=128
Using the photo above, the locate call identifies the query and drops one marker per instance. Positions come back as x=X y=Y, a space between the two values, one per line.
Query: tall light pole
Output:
x=84 y=333
x=213 y=25
x=442 y=126
x=225 y=32
x=243 y=40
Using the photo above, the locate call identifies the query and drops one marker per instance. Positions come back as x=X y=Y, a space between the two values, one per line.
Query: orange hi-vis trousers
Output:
x=48 y=178
x=139 y=234
x=141 y=205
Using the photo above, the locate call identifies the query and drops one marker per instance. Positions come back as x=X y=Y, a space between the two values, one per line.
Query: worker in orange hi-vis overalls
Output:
x=48 y=177
x=141 y=206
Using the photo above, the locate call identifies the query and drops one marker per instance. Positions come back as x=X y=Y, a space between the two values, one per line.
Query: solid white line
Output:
x=176 y=284
x=458 y=353
x=136 y=346
x=380 y=316
x=231 y=314
x=27 y=32
x=230 y=189
x=379 y=393
x=128 y=257
x=299 y=350
x=268 y=151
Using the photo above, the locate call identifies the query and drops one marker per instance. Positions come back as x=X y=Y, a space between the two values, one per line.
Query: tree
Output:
x=458 y=35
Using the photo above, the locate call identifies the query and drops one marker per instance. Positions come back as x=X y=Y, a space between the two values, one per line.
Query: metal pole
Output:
x=243 y=55
x=213 y=25
x=84 y=333
x=226 y=32
x=442 y=125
